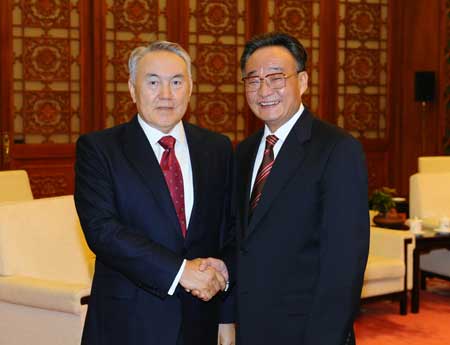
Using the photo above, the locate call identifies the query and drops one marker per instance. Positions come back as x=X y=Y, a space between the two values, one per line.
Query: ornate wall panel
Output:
x=216 y=38
x=300 y=18
x=363 y=67
x=46 y=71
x=129 y=24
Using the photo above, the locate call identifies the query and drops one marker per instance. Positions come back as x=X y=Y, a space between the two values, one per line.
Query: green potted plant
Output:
x=382 y=201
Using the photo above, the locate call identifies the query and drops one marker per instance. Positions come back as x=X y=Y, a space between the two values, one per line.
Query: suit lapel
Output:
x=246 y=171
x=140 y=154
x=287 y=163
x=198 y=153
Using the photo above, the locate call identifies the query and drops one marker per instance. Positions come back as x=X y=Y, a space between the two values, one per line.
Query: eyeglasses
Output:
x=273 y=80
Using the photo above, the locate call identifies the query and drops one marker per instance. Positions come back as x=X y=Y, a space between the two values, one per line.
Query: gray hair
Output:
x=138 y=53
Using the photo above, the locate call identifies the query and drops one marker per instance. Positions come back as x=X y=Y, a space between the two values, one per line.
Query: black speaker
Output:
x=424 y=85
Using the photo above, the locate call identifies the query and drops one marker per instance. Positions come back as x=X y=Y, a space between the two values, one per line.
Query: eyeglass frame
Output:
x=285 y=76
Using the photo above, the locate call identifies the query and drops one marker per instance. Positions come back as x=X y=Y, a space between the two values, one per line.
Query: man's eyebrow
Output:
x=149 y=75
x=272 y=68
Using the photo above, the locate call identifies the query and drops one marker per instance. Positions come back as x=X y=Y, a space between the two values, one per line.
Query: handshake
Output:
x=204 y=278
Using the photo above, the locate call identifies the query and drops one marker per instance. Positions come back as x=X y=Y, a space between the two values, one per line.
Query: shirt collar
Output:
x=153 y=135
x=284 y=130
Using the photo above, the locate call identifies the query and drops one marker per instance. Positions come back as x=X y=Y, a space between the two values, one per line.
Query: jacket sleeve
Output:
x=344 y=244
x=119 y=246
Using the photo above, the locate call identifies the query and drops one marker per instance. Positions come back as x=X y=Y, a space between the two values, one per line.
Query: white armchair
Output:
x=434 y=164
x=430 y=200
x=14 y=186
x=46 y=269
x=389 y=267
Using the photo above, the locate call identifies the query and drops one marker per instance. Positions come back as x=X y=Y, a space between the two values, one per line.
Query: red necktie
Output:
x=263 y=172
x=174 y=178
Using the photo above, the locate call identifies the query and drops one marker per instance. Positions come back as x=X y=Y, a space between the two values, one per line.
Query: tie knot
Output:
x=271 y=140
x=167 y=142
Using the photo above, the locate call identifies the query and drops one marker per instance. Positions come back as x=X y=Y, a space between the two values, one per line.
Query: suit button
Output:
x=243 y=251
x=183 y=252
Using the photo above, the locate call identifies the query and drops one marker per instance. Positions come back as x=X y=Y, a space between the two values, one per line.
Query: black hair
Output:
x=275 y=39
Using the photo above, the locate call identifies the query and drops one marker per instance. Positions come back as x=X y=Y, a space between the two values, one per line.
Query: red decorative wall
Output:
x=216 y=36
x=64 y=72
x=128 y=24
x=46 y=71
x=301 y=19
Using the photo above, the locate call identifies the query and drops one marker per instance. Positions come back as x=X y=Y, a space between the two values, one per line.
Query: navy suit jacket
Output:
x=302 y=257
x=130 y=224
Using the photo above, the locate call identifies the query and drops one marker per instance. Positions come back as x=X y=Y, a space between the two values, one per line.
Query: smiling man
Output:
x=303 y=229
x=153 y=198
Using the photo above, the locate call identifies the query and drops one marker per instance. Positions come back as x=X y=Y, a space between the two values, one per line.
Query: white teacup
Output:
x=444 y=224
x=415 y=225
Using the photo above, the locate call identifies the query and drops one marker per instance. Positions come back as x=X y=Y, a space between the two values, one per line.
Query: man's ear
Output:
x=191 y=86
x=132 y=90
x=302 y=79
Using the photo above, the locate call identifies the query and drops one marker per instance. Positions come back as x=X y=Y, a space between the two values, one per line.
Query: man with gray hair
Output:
x=153 y=199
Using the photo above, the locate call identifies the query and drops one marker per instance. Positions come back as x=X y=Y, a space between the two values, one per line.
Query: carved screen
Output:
x=46 y=71
x=216 y=38
x=363 y=67
x=300 y=18
x=129 y=24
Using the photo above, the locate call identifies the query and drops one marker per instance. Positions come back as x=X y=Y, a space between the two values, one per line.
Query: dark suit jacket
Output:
x=130 y=224
x=302 y=257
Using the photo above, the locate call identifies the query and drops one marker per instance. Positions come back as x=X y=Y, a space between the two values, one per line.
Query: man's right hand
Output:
x=206 y=283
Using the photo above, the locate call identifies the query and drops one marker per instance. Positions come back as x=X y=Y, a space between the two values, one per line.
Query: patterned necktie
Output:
x=263 y=172
x=174 y=178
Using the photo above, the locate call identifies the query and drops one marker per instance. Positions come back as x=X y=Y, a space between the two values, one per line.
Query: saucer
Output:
x=421 y=232
x=442 y=231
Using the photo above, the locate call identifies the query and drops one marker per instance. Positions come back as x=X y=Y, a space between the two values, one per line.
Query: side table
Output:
x=425 y=243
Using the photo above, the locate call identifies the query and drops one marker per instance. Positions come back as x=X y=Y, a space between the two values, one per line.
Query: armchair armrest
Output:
x=394 y=244
x=389 y=243
x=45 y=294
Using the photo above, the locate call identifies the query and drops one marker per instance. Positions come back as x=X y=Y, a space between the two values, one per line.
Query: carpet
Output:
x=380 y=323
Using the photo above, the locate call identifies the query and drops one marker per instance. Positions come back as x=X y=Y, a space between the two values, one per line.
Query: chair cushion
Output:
x=46 y=294
x=41 y=238
x=429 y=197
x=15 y=186
x=379 y=267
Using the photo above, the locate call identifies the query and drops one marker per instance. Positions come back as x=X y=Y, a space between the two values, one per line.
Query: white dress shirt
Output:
x=182 y=153
x=281 y=134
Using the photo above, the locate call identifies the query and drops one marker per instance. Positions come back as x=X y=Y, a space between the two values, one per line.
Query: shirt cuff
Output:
x=177 y=279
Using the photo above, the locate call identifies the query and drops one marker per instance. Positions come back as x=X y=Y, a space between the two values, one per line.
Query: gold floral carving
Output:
x=124 y=108
x=362 y=67
x=361 y=112
x=363 y=21
x=136 y=15
x=217 y=111
x=294 y=17
x=46 y=112
x=47 y=186
x=46 y=13
x=217 y=64
x=217 y=17
x=46 y=59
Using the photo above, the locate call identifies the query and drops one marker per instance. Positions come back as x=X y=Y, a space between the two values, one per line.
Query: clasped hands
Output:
x=204 y=278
